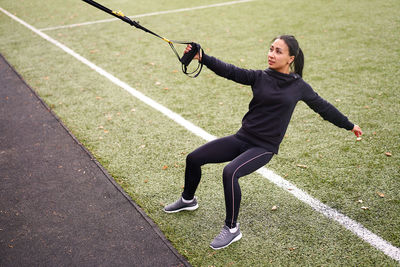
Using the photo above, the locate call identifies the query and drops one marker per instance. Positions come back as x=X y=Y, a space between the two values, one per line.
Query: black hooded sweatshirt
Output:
x=275 y=96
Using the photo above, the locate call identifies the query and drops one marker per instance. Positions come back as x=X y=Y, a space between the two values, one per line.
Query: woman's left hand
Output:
x=357 y=130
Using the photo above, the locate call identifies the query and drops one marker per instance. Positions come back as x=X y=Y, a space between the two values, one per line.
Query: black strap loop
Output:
x=187 y=58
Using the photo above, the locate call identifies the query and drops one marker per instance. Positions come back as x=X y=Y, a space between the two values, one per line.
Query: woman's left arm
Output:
x=328 y=112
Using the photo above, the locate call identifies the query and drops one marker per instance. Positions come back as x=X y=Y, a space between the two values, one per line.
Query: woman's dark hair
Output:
x=294 y=50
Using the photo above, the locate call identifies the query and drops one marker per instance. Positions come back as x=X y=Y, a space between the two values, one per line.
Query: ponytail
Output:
x=299 y=63
x=294 y=50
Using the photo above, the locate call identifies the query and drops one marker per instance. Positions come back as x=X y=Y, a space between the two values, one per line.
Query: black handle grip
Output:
x=188 y=57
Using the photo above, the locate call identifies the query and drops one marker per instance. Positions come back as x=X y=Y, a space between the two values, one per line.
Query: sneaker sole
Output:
x=233 y=240
x=185 y=208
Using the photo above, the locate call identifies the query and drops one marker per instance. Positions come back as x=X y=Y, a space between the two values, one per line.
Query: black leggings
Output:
x=245 y=158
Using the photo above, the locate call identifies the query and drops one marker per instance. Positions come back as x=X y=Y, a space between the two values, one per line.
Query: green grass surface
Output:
x=352 y=60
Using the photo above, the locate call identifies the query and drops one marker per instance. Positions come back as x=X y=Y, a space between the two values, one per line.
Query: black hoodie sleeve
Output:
x=325 y=109
x=229 y=71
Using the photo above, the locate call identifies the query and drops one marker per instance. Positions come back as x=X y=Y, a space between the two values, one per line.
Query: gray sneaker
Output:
x=179 y=205
x=225 y=238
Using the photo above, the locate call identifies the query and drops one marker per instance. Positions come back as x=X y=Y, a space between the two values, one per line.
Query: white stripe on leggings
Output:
x=233 y=175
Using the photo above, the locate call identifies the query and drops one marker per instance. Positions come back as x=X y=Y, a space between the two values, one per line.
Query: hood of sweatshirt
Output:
x=283 y=79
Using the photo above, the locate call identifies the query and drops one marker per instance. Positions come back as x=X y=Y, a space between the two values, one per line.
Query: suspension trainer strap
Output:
x=185 y=59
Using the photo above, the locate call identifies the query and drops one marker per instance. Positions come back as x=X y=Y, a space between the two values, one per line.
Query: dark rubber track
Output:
x=58 y=205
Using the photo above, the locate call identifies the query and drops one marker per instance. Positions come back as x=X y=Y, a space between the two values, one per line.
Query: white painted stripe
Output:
x=327 y=211
x=355 y=227
x=147 y=15
x=77 y=24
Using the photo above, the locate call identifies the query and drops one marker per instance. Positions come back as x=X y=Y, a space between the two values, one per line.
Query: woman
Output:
x=276 y=92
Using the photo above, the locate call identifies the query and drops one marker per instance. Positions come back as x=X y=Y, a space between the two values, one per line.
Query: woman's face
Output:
x=278 y=56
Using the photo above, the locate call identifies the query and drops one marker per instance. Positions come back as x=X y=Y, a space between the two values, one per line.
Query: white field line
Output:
x=147 y=15
x=355 y=227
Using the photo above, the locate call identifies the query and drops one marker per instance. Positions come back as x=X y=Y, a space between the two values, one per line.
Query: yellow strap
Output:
x=168 y=41
x=118 y=13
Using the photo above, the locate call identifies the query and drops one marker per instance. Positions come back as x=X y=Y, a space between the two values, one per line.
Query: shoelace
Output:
x=223 y=233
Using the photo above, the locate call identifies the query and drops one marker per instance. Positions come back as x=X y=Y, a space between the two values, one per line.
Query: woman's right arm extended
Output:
x=226 y=70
